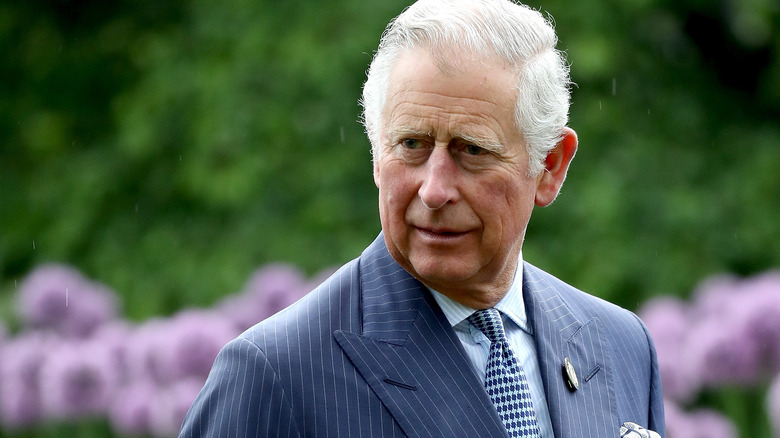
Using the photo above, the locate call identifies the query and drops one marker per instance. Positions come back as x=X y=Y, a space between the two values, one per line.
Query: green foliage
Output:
x=168 y=149
x=676 y=174
x=92 y=428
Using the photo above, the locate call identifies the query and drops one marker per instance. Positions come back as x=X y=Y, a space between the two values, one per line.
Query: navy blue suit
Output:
x=370 y=354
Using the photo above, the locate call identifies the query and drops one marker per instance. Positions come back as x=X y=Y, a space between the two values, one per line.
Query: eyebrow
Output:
x=406 y=131
x=488 y=143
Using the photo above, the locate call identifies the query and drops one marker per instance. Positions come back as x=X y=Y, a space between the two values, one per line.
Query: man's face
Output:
x=455 y=196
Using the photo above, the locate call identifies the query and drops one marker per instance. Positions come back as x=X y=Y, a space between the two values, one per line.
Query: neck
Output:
x=480 y=298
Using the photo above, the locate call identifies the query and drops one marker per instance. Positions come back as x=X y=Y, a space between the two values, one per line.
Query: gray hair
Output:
x=515 y=33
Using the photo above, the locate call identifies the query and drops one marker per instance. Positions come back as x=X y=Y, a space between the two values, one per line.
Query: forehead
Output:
x=465 y=93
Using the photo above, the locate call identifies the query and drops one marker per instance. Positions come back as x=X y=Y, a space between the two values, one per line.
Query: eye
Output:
x=411 y=143
x=474 y=150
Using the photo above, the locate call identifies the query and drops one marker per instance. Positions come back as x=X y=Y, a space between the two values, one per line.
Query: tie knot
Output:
x=488 y=321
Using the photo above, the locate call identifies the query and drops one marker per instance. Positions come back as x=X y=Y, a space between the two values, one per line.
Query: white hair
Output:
x=514 y=33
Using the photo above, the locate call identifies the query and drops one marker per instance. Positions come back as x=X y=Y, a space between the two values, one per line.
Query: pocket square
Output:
x=633 y=430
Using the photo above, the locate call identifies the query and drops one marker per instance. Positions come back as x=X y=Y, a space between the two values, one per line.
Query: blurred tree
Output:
x=169 y=148
x=63 y=63
x=677 y=107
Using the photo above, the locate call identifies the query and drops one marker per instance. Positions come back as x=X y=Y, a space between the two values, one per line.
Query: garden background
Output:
x=164 y=160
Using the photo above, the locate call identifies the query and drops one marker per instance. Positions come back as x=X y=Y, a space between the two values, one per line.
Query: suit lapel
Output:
x=411 y=357
x=559 y=333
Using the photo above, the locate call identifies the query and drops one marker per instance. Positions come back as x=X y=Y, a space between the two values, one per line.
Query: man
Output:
x=466 y=107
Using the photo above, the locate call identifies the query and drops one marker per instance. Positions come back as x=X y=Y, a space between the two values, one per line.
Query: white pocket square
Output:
x=633 y=430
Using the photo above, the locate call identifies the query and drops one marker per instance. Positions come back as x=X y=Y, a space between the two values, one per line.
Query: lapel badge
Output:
x=570 y=375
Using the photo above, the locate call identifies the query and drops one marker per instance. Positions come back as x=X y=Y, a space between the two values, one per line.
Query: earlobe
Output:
x=556 y=165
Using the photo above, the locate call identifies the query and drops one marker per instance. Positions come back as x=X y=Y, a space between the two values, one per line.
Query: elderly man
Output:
x=440 y=328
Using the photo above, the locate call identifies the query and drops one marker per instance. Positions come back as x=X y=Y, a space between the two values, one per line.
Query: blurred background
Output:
x=174 y=171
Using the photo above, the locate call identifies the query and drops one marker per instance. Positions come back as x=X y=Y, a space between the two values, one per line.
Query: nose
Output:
x=439 y=185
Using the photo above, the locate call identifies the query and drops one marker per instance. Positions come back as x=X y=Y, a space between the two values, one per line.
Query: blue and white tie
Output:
x=504 y=378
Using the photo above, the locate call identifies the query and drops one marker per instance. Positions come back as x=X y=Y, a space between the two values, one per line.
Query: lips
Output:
x=440 y=233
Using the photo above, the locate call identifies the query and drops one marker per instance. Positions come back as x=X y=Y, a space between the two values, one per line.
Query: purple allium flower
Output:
x=172 y=405
x=701 y=423
x=78 y=378
x=737 y=328
x=674 y=418
x=141 y=343
x=130 y=411
x=269 y=290
x=744 y=313
x=773 y=405
x=186 y=345
x=715 y=297
x=759 y=311
x=668 y=319
x=114 y=336
x=59 y=298
x=723 y=352
x=195 y=340
x=20 y=364
x=241 y=310
x=275 y=287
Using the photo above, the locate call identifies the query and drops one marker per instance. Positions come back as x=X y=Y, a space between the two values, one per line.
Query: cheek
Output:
x=394 y=201
x=392 y=207
x=396 y=189
x=506 y=209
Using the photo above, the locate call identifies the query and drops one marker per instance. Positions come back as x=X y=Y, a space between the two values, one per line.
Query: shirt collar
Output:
x=511 y=305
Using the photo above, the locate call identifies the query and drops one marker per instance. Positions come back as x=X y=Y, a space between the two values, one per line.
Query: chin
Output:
x=435 y=273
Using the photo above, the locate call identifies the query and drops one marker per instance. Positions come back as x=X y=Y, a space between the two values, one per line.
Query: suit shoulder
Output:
x=583 y=304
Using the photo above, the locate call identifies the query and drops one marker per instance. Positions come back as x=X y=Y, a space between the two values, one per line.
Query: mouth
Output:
x=440 y=234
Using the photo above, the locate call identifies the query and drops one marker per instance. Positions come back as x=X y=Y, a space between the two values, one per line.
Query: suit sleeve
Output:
x=242 y=397
x=656 y=414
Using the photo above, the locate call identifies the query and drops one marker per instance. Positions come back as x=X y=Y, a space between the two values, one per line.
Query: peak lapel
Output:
x=412 y=359
x=559 y=333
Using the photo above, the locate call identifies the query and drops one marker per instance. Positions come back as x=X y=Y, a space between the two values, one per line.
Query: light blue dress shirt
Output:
x=518 y=333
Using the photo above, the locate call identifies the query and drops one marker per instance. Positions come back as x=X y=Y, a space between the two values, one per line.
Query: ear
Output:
x=556 y=165
x=376 y=171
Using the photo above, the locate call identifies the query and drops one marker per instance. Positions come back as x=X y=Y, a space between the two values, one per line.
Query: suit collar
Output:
x=410 y=356
x=563 y=330
x=544 y=304
x=390 y=298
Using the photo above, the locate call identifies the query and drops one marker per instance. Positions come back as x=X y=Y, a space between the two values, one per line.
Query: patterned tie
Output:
x=504 y=378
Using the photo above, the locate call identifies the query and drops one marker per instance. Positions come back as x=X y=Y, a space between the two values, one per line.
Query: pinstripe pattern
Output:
x=370 y=354
x=518 y=332
x=604 y=343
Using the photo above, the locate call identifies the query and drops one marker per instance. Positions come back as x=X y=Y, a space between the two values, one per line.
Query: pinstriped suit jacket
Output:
x=370 y=354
